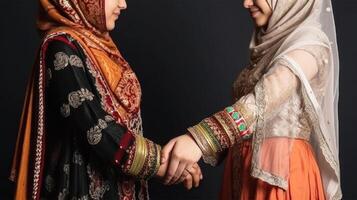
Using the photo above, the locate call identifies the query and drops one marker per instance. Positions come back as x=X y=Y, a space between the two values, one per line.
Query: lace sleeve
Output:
x=227 y=127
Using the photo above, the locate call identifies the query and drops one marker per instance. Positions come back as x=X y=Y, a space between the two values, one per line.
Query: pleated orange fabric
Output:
x=304 y=182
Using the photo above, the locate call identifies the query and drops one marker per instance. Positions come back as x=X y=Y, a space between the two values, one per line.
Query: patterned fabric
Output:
x=94 y=12
x=87 y=17
x=81 y=142
x=87 y=13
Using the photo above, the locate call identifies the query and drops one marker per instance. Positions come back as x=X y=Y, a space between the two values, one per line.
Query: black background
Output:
x=186 y=54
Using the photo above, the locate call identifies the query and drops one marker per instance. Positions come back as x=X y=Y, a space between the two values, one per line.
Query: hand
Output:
x=162 y=170
x=192 y=178
x=183 y=153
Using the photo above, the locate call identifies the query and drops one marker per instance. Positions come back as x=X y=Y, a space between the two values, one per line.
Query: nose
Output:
x=122 y=4
x=248 y=3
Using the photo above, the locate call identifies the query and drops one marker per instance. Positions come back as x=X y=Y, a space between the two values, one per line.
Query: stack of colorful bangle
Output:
x=143 y=159
x=219 y=132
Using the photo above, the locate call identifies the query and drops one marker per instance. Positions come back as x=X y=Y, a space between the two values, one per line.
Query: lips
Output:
x=254 y=11
x=255 y=14
x=116 y=12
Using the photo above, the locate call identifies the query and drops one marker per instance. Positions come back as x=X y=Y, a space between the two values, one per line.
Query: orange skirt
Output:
x=304 y=182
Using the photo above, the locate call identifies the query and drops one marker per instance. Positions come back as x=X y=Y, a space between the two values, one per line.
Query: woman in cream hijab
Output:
x=280 y=137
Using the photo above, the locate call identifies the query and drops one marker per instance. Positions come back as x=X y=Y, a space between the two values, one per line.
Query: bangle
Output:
x=218 y=132
x=227 y=130
x=210 y=134
x=139 y=157
x=201 y=141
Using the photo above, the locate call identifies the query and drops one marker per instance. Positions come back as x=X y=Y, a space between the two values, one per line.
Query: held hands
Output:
x=179 y=162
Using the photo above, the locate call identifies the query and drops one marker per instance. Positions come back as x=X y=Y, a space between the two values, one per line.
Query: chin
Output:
x=110 y=27
x=260 y=22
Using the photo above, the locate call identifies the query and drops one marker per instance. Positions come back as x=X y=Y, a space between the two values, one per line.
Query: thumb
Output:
x=165 y=152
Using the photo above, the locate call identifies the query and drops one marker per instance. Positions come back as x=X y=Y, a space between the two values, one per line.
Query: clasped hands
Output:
x=179 y=159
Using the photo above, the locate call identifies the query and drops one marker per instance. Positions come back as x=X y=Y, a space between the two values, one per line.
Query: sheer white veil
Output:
x=296 y=24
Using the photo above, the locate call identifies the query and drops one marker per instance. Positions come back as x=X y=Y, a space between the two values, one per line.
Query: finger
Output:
x=199 y=170
x=188 y=182
x=195 y=176
x=180 y=169
x=185 y=173
x=166 y=150
x=171 y=170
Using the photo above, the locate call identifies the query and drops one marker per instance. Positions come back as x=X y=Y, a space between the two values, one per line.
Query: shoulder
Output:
x=62 y=50
x=60 y=42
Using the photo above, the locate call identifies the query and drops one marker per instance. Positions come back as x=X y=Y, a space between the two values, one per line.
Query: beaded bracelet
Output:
x=238 y=119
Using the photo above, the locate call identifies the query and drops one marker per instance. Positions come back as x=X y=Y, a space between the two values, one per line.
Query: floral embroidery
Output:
x=74 y=60
x=97 y=186
x=108 y=118
x=49 y=183
x=65 y=110
x=94 y=134
x=66 y=169
x=77 y=158
x=61 y=61
x=85 y=197
x=65 y=192
x=49 y=74
x=62 y=195
x=75 y=99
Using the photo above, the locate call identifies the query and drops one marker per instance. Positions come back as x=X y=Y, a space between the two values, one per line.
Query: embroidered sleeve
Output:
x=73 y=94
x=237 y=122
x=223 y=129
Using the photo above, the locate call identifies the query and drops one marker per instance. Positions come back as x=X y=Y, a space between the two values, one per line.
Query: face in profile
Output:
x=259 y=10
x=112 y=12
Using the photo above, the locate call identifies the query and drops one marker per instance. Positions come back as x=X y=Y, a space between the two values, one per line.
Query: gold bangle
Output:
x=139 y=157
x=146 y=160
x=210 y=134
x=207 y=138
x=143 y=155
x=158 y=159
x=209 y=156
x=201 y=141
x=203 y=137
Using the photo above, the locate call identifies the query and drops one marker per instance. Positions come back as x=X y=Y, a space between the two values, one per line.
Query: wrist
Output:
x=195 y=142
